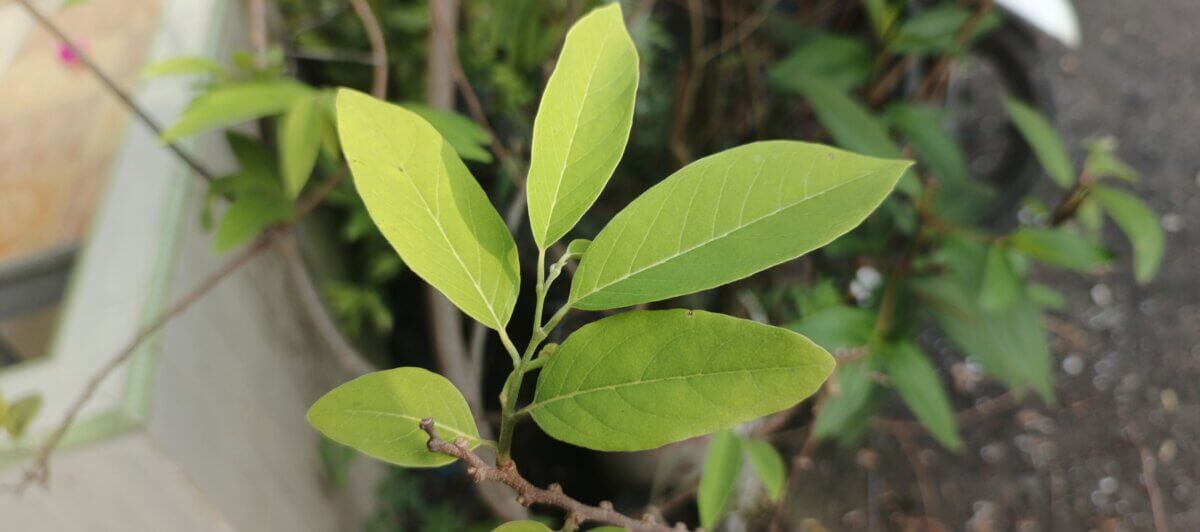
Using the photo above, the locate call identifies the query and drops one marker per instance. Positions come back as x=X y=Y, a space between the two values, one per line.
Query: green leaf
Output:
x=1102 y=161
x=578 y=247
x=522 y=526
x=249 y=215
x=20 y=413
x=843 y=62
x=468 y=138
x=177 y=66
x=643 y=379
x=300 y=134
x=921 y=125
x=883 y=15
x=728 y=216
x=582 y=124
x=768 y=465
x=380 y=414
x=1045 y=296
x=935 y=31
x=231 y=104
x=1140 y=225
x=850 y=124
x=1001 y=286
x=1044 y=140
x=1011 y=343
x=917 y=382
x=847 y=401
x=1060 y=248
x=608 y=529
x=837 y=327
x=429 y=206
x=722 y=464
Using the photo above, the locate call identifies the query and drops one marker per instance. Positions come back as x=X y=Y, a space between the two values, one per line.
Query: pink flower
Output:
x=67 y=55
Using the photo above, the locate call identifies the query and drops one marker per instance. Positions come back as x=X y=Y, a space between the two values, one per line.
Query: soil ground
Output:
x=1125 y=436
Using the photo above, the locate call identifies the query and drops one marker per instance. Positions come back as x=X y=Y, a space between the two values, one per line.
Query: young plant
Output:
x=631 y=381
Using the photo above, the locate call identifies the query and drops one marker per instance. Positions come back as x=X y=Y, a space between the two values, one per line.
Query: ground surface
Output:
x=1128 y=355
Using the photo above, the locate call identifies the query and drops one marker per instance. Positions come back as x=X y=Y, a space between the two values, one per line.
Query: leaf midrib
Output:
x=536 y=404
x=574 y=133
x=715 y=238
x=439 y=424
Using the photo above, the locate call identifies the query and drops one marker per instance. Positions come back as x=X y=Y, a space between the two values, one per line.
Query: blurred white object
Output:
x=1055 y=18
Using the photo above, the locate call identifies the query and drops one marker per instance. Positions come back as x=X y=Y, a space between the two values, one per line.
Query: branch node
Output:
x=461 y=442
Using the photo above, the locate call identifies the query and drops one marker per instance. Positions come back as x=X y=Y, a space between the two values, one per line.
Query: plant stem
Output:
x=506 y=473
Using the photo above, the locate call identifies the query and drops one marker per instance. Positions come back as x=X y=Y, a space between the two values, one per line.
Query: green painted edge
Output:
x=135 y=405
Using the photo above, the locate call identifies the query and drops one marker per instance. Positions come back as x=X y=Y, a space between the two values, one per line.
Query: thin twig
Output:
x=39 y=471
x=936 y=80
x=112 y=87
x=1149 y=473
x=924 y=485
x=378 y=48
x=528 y=494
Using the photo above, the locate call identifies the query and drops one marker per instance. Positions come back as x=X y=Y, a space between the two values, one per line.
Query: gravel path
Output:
x=1129 y=372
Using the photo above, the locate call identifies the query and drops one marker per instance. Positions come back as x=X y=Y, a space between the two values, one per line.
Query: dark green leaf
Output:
x=1059 y=247
x=842 y=62
x=910 y=373
x=936 y=30
x=837 y=327
x=1044 y=140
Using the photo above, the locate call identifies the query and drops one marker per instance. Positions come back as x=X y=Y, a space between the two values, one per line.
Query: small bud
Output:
x=548 y=350
x=681 y=526
x=461 y=442
x=648 y=518
x=555 y=487
x=605 y=505
x=522 y=500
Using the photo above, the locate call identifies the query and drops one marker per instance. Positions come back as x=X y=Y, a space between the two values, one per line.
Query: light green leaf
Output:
x=1044 y=140
x=3 y=411
x=722 y=464
x=1102 y=161
x=20 y=413
x=843 y=62
x=917 y=382
x=768 y=465
x=231 y=104
x=727 y=216
x=468 y=138
x=176 y=66
x=643 y=379
x=1060 y=248
x=1140 y=225
x=248 y=215
x=380 y=414
x=578 y=247
x=582 y=124
x=522 y=526
x=1001 y=286
x=300 y=133
x=883 y=15
x=429 y=206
